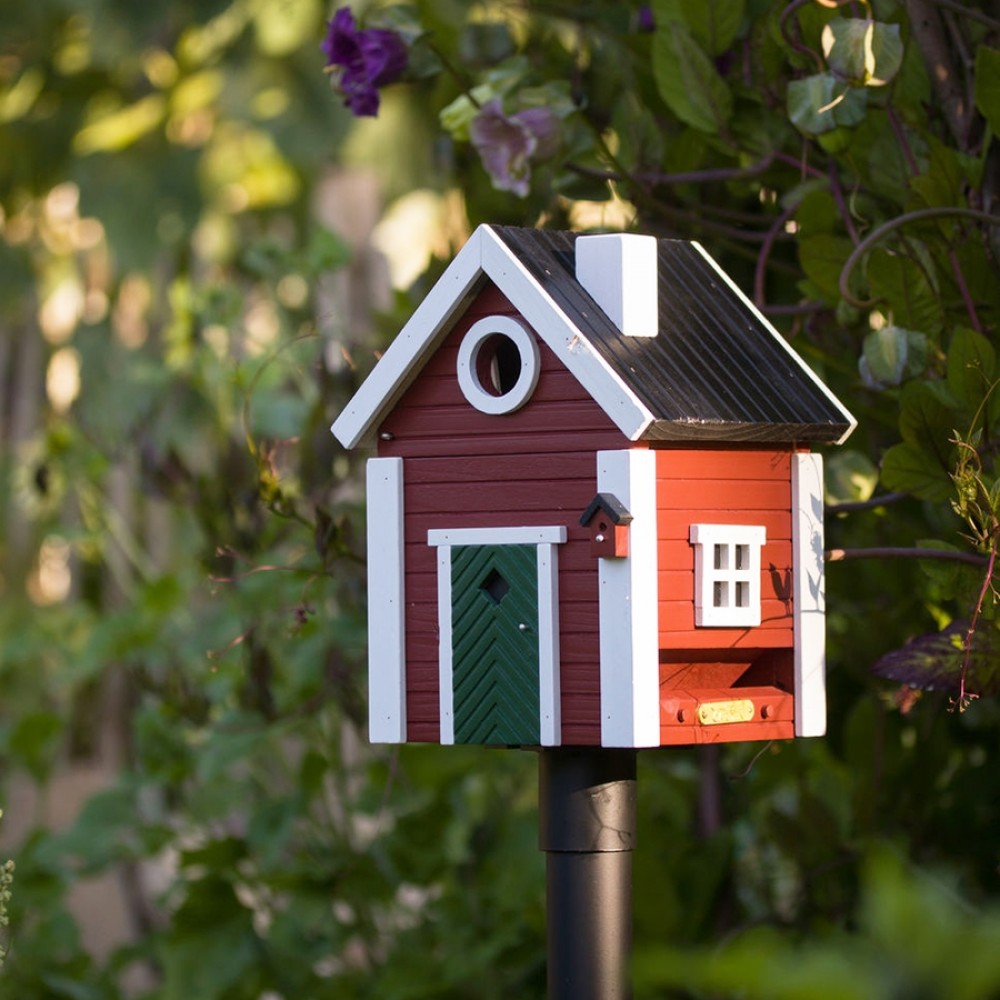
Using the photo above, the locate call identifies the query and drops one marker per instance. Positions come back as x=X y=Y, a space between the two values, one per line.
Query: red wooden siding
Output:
x=723 y=487
x=706 y=666
x=465 y=469
x=766 y=681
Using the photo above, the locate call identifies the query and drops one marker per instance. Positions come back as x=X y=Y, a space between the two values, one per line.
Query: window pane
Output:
x=720 y=594
x=721 y=556
x=742 y=556
x=743 y=595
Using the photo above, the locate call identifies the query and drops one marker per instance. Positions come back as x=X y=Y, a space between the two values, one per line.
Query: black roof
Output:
x=616 y=511
x=716 y=371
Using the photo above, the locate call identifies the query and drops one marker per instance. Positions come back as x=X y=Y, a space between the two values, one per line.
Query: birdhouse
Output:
x=608 y=521
x=594 y=517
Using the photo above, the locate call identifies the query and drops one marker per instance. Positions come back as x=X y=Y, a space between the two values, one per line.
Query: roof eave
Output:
x=485 y=254
x=849 y=422
x=564 y=338
x=730 y=432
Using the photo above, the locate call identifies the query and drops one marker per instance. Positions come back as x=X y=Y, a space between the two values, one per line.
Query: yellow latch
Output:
x=717 y=713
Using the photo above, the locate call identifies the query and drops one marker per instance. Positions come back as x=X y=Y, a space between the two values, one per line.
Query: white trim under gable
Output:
x=786 y=347
x=485 y=254
x=622 y=406
x=386 y=608
x=808 y=598
x=629 y=640
x=498 y=536
x=545 y=538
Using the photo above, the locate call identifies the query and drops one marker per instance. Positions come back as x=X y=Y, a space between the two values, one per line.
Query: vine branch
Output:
x=904 y=552
x=883 y=230
x=852 y=506
x=961 y=703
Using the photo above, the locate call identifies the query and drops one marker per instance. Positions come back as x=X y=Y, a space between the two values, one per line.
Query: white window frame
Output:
x=727 y=595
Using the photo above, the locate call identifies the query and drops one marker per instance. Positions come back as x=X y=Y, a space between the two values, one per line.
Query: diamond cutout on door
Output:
x=494 y=586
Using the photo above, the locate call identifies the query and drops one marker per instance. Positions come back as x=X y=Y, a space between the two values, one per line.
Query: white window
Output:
x=727 y=574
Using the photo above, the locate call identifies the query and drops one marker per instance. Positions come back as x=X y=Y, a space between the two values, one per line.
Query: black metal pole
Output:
x=586 y=824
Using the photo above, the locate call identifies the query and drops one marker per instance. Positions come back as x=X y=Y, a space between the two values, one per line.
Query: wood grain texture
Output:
x=465 y=469
x=699 y=665
x=723 y=486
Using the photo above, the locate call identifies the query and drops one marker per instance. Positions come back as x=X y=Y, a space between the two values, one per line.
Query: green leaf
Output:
x=34 y=742
x=850 y=476
x=822 y=258
x=972 y=363
x=892 y=354
x=761 y=965
x=883 y=54
x=121 y=127
x=927 y=417
x=908 y=468
x=808 y=103
x=843 y=41
x=863 y=51
x=211 y=943
x=945 y=179
x=241 y=740
x=714 y=25
x=905 y=286
x=819 y=103
x=688 y=81
x=283 y=26
x=987 y=87
x=326 y=251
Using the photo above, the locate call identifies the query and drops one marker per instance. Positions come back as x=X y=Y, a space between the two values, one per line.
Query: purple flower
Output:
x=508 y=143
x=367 y=60
x=645 y=19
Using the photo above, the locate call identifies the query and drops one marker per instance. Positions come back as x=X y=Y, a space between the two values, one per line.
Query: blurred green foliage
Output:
x=177 y=523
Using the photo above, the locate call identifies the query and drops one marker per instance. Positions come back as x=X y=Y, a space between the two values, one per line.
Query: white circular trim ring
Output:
x=468 y=355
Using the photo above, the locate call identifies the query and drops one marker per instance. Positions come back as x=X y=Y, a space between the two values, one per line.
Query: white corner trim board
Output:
x=808 y=595
x=628 y=611
x=386 y=608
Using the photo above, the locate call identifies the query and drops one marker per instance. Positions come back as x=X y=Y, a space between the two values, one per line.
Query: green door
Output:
x=494 y=621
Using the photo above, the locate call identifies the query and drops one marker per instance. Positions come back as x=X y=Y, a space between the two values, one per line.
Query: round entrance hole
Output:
x=498 y=365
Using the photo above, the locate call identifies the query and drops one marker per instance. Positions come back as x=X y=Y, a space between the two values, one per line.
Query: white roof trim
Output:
x=800 y=363
x=486 y=254
x=563 y=337
x=394 y=370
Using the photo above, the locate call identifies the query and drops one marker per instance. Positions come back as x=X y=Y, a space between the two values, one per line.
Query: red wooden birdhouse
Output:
x=608 y=521
x=593 y=518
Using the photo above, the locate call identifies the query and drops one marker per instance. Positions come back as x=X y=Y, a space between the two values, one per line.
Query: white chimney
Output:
x=619 y=272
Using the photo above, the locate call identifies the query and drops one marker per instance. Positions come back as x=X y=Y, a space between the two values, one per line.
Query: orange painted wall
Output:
x=711 y=486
